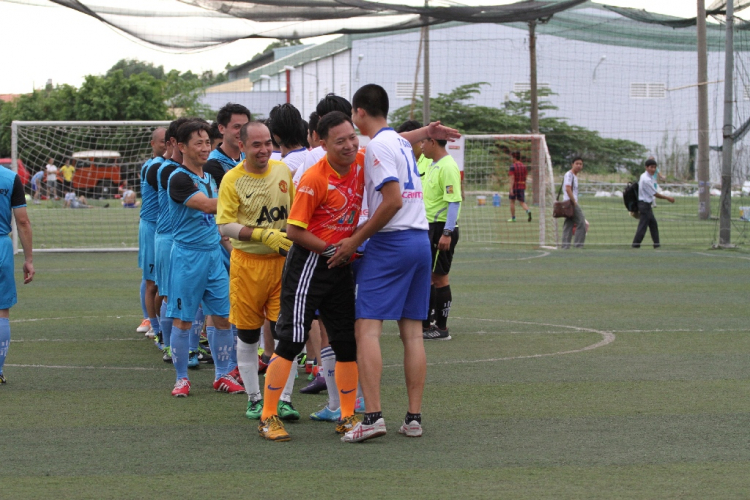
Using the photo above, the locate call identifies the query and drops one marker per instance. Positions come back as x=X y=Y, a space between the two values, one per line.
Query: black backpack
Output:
x=630 y=197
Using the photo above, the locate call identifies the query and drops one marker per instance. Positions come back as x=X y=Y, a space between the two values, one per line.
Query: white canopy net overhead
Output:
x=197 y=24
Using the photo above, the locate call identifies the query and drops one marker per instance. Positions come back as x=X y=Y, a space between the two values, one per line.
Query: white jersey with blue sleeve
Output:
x=389 y=157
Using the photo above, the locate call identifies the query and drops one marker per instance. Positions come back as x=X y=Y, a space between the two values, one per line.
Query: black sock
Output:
x=371 y=418
x=431 y=314
x=410 y=417
x=443 y=300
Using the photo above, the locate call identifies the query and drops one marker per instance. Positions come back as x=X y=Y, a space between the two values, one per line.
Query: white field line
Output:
x=607 y=338
x=30 y=320
x=123 y=368
x=723 y=255
x=543 y=254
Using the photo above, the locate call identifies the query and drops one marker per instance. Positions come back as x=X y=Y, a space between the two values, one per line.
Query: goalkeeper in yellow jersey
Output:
x=254 y=202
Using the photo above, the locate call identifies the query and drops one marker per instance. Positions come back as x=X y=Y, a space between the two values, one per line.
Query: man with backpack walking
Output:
x=646 y=194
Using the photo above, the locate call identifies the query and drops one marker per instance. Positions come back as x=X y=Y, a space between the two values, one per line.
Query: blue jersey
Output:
x=192 y=228
x=11 y=196
x=219 y=164
x=164 y=220
x=149 y=196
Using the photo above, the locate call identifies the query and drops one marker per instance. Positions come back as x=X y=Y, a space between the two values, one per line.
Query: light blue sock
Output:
x=155 y=324
x=166 y=325
x=143 y=299
x=210 y=334
x=195 y=331
x=222 y=353
x=179 y=344
x=4 y=340
x=233 y=358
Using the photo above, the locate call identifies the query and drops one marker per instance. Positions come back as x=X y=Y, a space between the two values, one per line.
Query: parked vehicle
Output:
x=97 y=173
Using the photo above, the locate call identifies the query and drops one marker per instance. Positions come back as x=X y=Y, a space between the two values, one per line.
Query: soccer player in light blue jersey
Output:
x=197 y=274
x=158 y=176
x=12 y=203
x=147 y=229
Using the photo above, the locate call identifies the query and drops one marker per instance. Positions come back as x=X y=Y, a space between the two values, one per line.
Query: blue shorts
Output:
x=226 y=257
x=146 y=243
x=8 y=296
x=393 y=280
x=162 y=251
x=197 y=278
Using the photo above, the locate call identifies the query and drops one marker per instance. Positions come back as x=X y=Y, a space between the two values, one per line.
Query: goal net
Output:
x=485 y=213
x=106 y=158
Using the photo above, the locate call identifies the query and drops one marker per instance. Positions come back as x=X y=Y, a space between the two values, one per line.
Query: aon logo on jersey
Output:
x=275 y=214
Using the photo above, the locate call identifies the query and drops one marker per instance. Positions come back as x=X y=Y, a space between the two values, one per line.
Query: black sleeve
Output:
x=216 y=170
x=17 y=197
x=151 y=175
x=181 y=187
x=165 y=173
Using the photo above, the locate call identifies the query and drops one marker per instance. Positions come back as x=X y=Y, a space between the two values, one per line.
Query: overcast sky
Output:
x=53 y=42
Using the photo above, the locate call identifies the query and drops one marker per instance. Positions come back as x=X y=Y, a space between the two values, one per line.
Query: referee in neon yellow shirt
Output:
x=441 y=185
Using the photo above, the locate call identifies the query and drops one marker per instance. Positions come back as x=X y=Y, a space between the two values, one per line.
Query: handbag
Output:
x=562 y=208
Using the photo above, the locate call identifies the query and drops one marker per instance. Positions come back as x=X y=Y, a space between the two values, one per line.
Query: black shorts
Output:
x=306 y=285
x=67 y=185
x=518 y=194
x=441 y=265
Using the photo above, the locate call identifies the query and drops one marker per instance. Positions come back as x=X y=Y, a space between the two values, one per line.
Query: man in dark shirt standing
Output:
x=518 y=173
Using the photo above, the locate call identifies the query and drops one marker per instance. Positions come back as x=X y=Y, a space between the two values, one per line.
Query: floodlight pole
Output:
x=426 y=89
x=704 y=181
x=725 y=211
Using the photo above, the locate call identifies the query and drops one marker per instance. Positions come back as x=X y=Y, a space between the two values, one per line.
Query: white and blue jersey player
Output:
x=197 y=274
x=393 y=280
x=12 y=203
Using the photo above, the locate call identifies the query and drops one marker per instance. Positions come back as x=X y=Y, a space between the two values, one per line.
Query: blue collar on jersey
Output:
x=382 y=129
x=227 y=162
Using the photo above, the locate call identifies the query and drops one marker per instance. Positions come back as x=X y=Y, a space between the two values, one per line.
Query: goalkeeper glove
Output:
x=273 y=239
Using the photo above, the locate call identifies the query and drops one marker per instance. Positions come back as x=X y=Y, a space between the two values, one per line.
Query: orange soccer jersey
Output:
x=327 y=204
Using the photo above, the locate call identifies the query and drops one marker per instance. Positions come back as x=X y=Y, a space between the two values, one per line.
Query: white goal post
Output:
x=107 y=156
x=485 y=215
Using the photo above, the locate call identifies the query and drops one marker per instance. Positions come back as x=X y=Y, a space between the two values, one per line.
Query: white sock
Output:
x=247 y=362
x=328 y=364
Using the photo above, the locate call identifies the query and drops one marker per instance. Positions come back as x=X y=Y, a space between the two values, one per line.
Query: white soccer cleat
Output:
x=412 y=429
x=144 y=327
x=150 y=334
x=362 y=432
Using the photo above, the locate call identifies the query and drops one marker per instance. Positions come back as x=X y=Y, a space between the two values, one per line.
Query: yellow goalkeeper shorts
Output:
x=254 y=288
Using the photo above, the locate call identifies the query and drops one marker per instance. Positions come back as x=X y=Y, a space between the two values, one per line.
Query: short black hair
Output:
x=441 y=142
x=408 y=126
x=333 y=102
x=330 y=120
x=306 y=143
x=373 y=99
x=650 y=162
x=214 y=133
x=243 y=130
x=516 y=155
x=286 y=122
x=186 y=130
x=224 y=116
x=575 y=159
x=312 y=126
x=172 y=129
